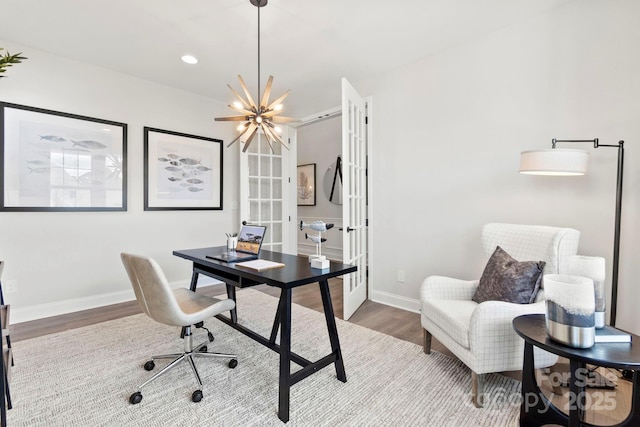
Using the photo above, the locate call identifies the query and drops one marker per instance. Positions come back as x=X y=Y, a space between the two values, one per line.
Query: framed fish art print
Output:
x=54 y=161
x=181 y=171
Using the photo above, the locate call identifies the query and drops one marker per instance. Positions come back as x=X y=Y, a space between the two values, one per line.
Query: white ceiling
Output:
x=306 y=45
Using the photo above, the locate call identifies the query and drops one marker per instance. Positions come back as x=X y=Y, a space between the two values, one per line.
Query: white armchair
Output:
x=481 y=335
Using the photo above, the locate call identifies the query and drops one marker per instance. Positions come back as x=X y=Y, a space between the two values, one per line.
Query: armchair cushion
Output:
x=507 y=279
x=453 y=316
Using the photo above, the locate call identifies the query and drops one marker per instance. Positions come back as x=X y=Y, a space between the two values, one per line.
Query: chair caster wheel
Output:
x=203 y=349
x=149 y=365
x=135 y=398
x=210 y=337
x=233 y=363
x=196 y=396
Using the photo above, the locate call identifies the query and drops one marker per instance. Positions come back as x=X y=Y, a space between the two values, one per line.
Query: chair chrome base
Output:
x=187 y=355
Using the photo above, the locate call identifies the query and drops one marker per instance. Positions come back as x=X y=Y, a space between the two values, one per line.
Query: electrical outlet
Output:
x=401 y=276
x=10 y=286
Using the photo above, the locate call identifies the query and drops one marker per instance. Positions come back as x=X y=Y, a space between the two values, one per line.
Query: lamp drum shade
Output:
x=554 y=161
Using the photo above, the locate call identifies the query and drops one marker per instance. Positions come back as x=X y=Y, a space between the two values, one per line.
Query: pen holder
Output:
x=232 y=242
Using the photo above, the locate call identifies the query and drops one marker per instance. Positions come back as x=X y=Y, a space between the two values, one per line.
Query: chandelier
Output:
x=257 y=117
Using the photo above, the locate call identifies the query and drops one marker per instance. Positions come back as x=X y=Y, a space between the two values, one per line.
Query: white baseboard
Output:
x=404 y=303
x=41 y=311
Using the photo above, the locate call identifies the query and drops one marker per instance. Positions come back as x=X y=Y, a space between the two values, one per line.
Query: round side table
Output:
x=536 y=410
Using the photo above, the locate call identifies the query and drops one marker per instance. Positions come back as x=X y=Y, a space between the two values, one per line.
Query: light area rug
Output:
x=83 y=377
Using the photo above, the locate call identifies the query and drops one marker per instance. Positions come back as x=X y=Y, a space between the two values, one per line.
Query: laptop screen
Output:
x=250 y=238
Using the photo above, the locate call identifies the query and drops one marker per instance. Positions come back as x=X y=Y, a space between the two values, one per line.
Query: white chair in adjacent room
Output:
x=481 y=334
x=180 y=307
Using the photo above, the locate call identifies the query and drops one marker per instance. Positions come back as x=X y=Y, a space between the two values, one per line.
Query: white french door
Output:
x=265 y=190
x=354 y=206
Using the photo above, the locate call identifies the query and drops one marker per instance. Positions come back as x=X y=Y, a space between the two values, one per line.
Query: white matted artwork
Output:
x=54 y=161
x=181 y=171
x=307 y=185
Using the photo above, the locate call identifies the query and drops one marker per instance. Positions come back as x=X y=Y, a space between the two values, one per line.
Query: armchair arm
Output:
x=440 y=287
x=492 y=338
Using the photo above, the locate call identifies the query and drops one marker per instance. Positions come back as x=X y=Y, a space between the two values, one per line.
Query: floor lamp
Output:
x=566 y=162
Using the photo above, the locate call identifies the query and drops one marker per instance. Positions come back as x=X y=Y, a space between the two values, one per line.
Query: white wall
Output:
x=63 y=262
x=321 y=143
x=449 y=131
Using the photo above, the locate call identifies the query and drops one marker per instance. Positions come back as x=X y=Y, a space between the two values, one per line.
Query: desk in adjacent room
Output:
x=296 y=272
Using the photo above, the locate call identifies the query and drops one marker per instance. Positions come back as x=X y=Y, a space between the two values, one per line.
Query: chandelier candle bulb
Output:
x=570 y=302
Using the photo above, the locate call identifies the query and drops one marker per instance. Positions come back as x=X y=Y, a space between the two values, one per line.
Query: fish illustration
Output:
x=195 y=181
x=194 y=189
x=163 y=159
x=175 y=163
x=89 y=144
x=52 y=138
x=188 y=161
x=203 y=168
x=173 y=178
x=39 y=170
x=172 y=156
x=173 y=169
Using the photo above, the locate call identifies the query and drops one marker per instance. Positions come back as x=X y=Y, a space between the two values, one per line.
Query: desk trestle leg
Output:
x=333 y=330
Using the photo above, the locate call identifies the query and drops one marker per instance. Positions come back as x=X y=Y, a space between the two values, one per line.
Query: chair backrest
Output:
x=553 y=245
x=153 y=292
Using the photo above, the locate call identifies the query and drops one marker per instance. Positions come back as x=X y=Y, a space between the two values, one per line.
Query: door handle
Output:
x=350 y=229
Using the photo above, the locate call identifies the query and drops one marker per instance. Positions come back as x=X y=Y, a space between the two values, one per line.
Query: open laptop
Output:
x=248 y=246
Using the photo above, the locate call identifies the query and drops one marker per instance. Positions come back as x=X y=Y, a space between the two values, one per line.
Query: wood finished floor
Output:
x=379 y=317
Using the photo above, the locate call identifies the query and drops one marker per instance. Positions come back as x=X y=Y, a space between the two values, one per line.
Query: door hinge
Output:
x=366 y=120
x=289 y=218
x=366 y=222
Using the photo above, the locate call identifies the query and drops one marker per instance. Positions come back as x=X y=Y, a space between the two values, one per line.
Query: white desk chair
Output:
x=179 y=307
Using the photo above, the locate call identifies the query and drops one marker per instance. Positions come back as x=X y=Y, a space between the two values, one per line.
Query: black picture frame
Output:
x=182 y=171
x=306 y=182
x=61 y=162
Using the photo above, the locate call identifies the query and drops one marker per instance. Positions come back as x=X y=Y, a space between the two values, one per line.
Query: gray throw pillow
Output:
x=509 y=280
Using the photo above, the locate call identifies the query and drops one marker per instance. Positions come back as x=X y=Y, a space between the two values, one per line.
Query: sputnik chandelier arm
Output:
x=257 y=117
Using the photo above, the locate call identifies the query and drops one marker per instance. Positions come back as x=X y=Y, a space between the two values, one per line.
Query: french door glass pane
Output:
x=265 y=190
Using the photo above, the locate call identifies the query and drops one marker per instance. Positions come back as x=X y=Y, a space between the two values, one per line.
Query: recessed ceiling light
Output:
x=190 y=59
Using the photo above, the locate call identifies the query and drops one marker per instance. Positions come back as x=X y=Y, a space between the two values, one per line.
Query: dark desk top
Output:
x=296 y=272
x=615 y=355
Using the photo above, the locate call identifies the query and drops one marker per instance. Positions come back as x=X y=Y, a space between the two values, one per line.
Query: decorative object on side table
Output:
x=570 y=317
x=593 y=268
x=318 y=260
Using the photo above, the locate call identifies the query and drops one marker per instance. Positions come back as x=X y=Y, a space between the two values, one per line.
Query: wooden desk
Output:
x=536 y=409
x=296 y=272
